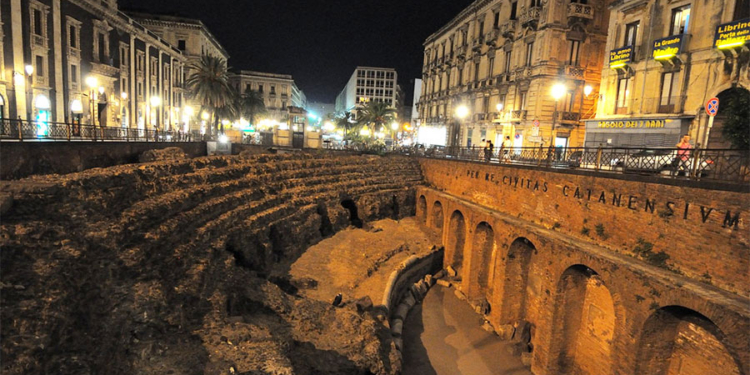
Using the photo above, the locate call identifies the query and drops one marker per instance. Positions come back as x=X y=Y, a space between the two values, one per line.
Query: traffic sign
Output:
x=712 y=106
x=536 y=123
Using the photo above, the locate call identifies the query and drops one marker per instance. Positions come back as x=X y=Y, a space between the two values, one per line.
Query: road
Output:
x=443 y=336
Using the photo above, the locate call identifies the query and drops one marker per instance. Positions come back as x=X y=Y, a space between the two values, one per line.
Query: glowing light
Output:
x=18 y=78
x=155 y=101
x=664 y=56
x=294 y=127
x=124 y=95
x=101 y=90
x=76 y=106
x=328 y=126
x=500 y=107
x=283 y=126
x=558 y=91
x=29 y=69
x=204 y=115
x=223 y=138
x=225 y=122
x=188 y=111
x=587 y=90
x=462 y=111
x=381 y=135
x=730 y=45
x=92 y=82
x=364 y=132
x=340 y=132
x=310 y=129
x=618 y=65
x=394 y=126
x=42 y=102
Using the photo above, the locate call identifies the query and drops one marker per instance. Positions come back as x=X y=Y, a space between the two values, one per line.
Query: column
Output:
x=147 y=86
x=61 y=108
x=18 y=63
x=132 y=94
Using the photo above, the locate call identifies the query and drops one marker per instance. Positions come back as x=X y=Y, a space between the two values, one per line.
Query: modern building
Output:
x=501 y=59
x=368 y=84
x=414 y=119
x=85 y=61
x=191 y=37
x=320 y=109
x=666 y=60
x=279 y=91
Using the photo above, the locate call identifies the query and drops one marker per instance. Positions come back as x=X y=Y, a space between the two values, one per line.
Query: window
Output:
x=481 y=28
x=283 y=104
x=360 y=73
x=460 y=77
x=623 y=95
x=523 y=100
x=668 y=89
x=496 y=22
x=486 y=104
x=575 y=47
x=680 y=18
x=248 y=87
x=140 y=89
x=260 y=88
x=631 y=33
x=513 y=10
x=476 y=72
x=73 y=39
x=124 y=55
x=490 y=67
x=535 y=3
x=37 y=14
x=74 y=73
x=507 y=61
x=39 y=68
x=529 y=53
x=181 y=44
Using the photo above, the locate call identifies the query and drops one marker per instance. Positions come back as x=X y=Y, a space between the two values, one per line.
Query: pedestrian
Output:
x=505 y=148
x=490 y=149
x=683 y=154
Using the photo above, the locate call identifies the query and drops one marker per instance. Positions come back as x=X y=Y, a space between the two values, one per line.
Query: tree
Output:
x=376 y=115
x=735 y=108
x=345 y=122
x=209 y=85
x=250 y=105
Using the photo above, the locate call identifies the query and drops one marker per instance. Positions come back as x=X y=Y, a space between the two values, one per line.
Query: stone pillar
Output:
x=160 y=87
x=61 y=107
x=18 y=63
x=133 y=95
x=147 y=87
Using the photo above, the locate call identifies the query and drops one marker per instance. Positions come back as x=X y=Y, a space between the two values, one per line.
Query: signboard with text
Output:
x=732 y=34
x=620 y=57
x=666 y=48
x=633 y=125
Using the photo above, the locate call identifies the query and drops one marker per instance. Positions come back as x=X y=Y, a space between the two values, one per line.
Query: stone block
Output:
x=429 y=280
x=415 y=292
x=364 y=304
x=444 y=283
x=401 y=311
x=440 y=274
x=505 y=331
x=451 y=272
x=169 y=153
x=397 y=326
x=409 y=300
x=460 y=295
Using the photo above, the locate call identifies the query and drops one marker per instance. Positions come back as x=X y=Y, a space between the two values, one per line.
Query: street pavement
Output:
x=443 y=336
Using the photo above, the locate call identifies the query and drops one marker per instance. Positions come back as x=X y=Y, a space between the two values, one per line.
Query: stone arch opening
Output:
x=517 y=264
x=733 y=102
x=456 y=241
x=353 y=215
x=585 y=316
x=679 y=341
x=422 y=208
x=437 y=216
x=481 y=263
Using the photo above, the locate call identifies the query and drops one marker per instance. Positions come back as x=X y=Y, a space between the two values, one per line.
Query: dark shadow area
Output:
x=394 y=208
x=353 y=215
x=326 y=227
x=416 y=361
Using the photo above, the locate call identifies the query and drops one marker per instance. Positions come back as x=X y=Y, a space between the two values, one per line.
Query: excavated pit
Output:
x=183 y=266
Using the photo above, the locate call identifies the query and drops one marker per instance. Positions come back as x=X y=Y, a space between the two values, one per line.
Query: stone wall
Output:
x=594 y=305
x=695 y=231
x=23 y=159
x=182 y=266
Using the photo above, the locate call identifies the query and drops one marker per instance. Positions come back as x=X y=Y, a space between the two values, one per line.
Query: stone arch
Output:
x=422 y=209
x=585 y=324
x=483 y=246
x=456 y=241
x=517 y=264
x=353 y=213
x=676 y=340
x=733 y=97
x=436 y=216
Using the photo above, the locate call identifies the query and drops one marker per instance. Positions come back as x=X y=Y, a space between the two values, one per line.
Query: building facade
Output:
x=85 y=61
x=666 y=60
x=368 y=84
x=279 y=91
x=501 y=59
x=193 y=39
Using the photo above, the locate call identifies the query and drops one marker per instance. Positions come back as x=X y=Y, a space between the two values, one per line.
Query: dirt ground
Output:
x=358 y=262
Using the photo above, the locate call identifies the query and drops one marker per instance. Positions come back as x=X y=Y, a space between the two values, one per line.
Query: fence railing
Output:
x=698 y=164
x=20 y=130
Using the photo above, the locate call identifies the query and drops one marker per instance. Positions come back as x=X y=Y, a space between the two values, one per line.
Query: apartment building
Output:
x=85 y=61
x=279 y=91
x=666 y=60
x=501 y=59
x=369 y=84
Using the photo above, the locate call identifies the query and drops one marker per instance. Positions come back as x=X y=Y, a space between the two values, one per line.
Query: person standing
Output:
x=490 y=149
x=505 y=149
x=683 y=154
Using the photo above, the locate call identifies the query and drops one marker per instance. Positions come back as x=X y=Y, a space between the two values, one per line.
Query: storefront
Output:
x=636 y=132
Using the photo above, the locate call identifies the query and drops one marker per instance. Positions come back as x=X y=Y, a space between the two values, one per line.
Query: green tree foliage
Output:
x=376 y=115
x=344 y=122
x=209 y=85
x=734 y=107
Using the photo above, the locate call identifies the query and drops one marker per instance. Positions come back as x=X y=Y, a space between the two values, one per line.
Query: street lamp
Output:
x=461 y=113
x=558 y=91
x=587 y=90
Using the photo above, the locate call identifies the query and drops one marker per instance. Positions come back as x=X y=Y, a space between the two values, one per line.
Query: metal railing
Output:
x=20 y=130
x=727 y=165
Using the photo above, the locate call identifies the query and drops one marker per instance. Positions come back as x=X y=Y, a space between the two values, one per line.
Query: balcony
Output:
x=74 y=53
x=461 y=51
x=38 y=40
x=508 y=29
x=569 y=118
x=574 y=71
x=491 y=37
x=518 y=115
x=480 y=117
x=530 y=18
x=477 y=44
x=580 y=11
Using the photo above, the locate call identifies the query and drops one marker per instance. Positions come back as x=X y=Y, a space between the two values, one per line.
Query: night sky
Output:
x=318 y=42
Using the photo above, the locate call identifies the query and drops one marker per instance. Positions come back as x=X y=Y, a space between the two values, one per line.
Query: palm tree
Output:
x=376 y=115
x=344 y=122
x=250 y=105
x=208 y=84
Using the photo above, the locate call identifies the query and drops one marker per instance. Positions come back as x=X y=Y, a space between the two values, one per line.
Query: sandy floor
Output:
x=358 y=262
x=443 y=336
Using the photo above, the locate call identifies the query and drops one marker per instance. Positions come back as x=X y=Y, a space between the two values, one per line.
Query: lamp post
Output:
x=29 y=90
x=92 y=83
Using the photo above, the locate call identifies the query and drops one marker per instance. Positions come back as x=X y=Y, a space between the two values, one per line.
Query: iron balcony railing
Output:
x=20 y=130
x=726 y=165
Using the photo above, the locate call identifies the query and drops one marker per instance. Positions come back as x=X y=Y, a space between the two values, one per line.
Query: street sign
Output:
x=712 y=106
x=536 y=123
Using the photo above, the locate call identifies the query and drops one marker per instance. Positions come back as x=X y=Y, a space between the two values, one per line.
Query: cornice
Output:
x=460 y=18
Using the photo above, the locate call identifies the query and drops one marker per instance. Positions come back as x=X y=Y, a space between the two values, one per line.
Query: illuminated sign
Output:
x=667 y=48
x=732 y=34
x=620 y=57
x=633 y=124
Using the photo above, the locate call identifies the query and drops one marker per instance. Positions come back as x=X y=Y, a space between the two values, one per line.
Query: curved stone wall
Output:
x=153 y=268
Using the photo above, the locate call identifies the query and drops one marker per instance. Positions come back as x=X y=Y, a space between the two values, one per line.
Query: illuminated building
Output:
x=69 y=43
x=501 y=60
x=368 y=84
x=665 y=61
x=279 y=91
